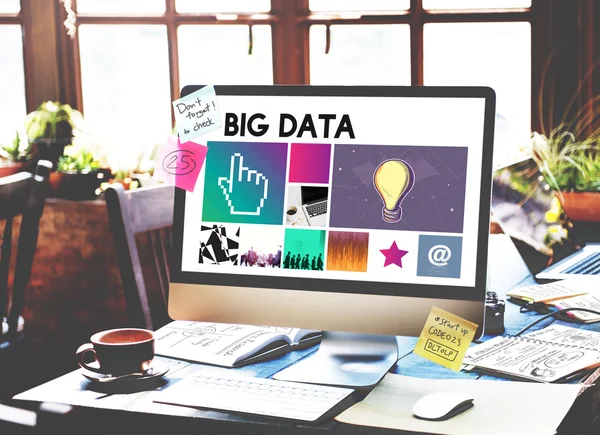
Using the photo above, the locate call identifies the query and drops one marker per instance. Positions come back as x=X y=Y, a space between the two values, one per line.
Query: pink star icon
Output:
x=393 y=255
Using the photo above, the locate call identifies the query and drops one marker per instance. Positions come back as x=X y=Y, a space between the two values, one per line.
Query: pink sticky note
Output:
x=180 y=163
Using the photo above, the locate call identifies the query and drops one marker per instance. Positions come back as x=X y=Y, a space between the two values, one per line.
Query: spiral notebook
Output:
x=554 y=354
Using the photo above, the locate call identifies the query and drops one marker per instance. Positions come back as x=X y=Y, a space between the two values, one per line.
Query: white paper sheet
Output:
x=500 y=407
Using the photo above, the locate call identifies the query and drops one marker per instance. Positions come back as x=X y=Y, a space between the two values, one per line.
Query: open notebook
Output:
x=554 y=354
x=228 y=345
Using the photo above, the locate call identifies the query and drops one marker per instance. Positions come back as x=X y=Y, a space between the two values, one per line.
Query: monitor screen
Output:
x=407 y=180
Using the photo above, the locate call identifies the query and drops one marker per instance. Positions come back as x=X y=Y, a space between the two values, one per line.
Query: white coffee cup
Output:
x=291 y=215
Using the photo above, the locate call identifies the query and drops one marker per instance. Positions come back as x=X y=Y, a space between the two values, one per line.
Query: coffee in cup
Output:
x=291 y=216
x=119 y=351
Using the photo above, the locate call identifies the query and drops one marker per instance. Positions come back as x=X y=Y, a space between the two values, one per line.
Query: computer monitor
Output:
x=408 y=172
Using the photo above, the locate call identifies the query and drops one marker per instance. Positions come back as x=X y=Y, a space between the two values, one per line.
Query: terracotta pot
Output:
x=55 y=180
x=581 y=206
x=9 y=168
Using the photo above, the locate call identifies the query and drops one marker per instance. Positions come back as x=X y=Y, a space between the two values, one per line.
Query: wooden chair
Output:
x=146 y=211
x=22 y=194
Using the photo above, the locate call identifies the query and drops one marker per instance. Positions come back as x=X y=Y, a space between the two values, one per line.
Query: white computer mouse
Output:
x=442 y=405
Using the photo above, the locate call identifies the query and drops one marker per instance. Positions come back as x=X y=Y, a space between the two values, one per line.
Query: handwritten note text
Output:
x=197 y=113
x=445 y=338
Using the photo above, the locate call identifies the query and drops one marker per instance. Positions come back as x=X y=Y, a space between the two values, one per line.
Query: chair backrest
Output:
x=130 y=213
x=22 y=194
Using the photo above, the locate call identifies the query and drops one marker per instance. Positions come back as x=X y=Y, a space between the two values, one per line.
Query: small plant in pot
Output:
x=568 y=152
x=14 y=155
x=50 y=128
x=78 y=175
x=572 y=169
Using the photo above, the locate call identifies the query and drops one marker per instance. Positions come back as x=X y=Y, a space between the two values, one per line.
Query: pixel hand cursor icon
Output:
x=245 y=189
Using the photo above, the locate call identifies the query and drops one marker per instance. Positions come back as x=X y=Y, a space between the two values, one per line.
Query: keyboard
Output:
x=233 y=392
x=317 y=208
x=590 y=265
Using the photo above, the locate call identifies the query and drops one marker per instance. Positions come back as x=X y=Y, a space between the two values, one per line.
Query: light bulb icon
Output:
x=393 y=180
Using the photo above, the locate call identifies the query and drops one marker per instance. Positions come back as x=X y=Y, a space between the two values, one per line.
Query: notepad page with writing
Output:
x=390 y=404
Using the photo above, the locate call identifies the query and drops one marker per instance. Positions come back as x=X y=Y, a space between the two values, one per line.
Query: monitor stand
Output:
x=345 y=359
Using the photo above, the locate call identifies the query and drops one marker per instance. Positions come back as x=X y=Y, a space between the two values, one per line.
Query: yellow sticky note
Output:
x=445 y=338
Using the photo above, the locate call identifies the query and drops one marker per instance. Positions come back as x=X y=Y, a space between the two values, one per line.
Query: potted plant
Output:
x=571 y=167
x=569 y=155
x=50 y=128
x=14 y=155
x=78 y=175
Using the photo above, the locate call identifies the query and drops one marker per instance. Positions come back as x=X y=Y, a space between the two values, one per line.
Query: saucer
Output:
x=157 y=370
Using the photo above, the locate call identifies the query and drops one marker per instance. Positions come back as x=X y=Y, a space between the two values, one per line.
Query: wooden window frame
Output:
x=290 y=22
x=416 y=17
x=172 y=20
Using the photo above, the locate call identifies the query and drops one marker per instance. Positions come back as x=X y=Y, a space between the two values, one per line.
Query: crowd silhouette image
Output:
x=302 y=261
x=303 y=249
x=257 y=258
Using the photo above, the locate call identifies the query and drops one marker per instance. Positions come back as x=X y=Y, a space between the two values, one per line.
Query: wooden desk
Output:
x=149 y=418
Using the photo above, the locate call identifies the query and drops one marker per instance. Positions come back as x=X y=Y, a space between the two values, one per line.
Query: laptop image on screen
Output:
x=525 y=206
x=314 y=205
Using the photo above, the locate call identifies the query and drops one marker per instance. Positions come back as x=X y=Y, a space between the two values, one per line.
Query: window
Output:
x=486 y=54
x=211 y=6
x=443 y=43
x=12 y=72
x=121 y=7
x=226 y=48
x=135 y=56
x=475 y=4
x=360 y=55
x=125 y=83
x=11 y=7
x=142 y=53
x=358 y=5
